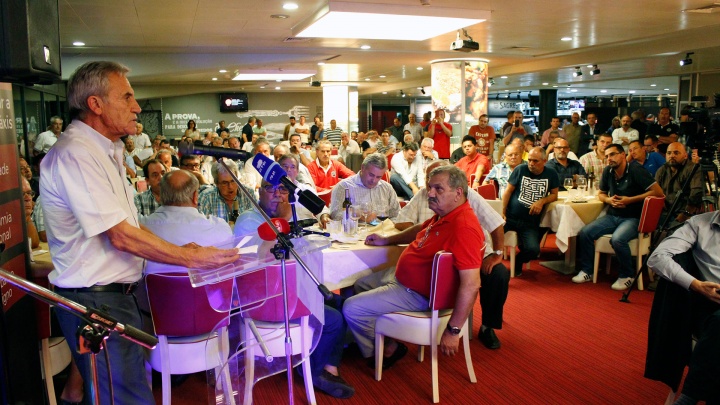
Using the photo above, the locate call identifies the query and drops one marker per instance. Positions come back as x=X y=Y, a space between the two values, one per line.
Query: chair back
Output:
x=444 y=282
x=386 y=176
x=487 y=191
x=389 y=160
x=326 y=196
x=259 y=285
x=178 y=309
x=652 y=208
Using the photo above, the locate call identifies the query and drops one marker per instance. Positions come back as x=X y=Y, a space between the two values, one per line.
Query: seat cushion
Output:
x=411 y=327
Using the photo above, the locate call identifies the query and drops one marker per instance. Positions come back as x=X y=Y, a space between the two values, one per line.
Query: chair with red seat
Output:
x=185 y=324
x=640 y=246
x=426 y=328
x=487 y=191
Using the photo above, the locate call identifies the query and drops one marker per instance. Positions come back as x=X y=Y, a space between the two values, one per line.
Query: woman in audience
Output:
x=192 y=131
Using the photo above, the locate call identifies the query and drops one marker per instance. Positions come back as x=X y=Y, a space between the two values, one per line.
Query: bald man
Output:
x=671 y=177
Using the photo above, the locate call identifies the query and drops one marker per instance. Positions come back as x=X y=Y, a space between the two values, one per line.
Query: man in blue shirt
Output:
x=651 y=161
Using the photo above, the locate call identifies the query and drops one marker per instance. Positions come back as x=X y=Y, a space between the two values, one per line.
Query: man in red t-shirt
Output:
x=485 y=136
x=440 y=131
x=473 y=163
x=326 y=172
x=454 y=228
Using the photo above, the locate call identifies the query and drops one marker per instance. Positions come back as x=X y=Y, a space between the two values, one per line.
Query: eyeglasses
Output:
x=269 y=188
x=612 y=154
x=30 y=194
x=561 y=147
x=192 y=166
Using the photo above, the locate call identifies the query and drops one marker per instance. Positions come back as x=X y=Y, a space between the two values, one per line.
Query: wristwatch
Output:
x=498 y=252
x=454 y=330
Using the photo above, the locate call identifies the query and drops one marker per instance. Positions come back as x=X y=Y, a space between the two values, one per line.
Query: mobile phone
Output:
x=517 y=123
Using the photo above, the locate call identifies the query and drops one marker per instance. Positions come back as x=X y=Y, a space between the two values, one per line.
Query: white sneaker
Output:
x=622 y=283
x=582 y=277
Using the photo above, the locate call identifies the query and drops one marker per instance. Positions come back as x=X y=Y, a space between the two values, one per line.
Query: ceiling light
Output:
x=382 y=76
x=577 y=72
x=631 y=91
x=402 y=94
x=79 y=43
x=420 y=68
x=590 y=66
x=290 y=6
x=280 y=16
x=365 y=47
x=268 y=75
x=214 y=78
x=277 y=88
x=278 y=80
x=384 y=92
x=687 y=60
x=573 y=90
x=503 y=77
x=321 y=63
x=223 y=71
x=555 y=86
x=595 y=70
x=262 y=87
x=507 y=90
x=545 y=83
x=653 y=85
x=603 y=91
x=367 y=79
x=398 y=22
x=566 y=39
x=666 y=89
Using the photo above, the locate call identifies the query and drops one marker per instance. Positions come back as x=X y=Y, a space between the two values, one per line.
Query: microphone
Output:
x=304 y=223
x=189 y=148
x=266 y=232
x=271 y=172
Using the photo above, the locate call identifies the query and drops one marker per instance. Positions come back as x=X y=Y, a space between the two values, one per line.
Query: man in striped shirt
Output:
x=334 y=134
x=596 y=158
x=149 y=200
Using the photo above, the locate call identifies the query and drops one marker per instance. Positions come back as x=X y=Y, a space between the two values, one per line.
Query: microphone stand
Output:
x=282 y=251
x=93 y=335
x=681 y=195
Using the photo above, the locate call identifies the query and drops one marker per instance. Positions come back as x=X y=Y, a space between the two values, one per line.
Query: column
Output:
x=548 y=108
x=340 y=103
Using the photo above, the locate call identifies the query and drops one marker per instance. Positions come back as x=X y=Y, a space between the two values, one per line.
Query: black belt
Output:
x=123 y=288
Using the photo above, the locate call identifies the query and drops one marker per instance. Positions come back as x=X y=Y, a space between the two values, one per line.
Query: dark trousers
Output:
x=703 y=378
x=330 y=346
x=528 y=234
x=127 y=362
x=401 y=188
x=493 y=293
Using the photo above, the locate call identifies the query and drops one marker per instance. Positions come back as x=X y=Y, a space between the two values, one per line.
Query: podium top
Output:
x=255 y=254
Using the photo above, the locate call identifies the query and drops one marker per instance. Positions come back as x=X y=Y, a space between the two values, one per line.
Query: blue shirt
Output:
x=653 y=161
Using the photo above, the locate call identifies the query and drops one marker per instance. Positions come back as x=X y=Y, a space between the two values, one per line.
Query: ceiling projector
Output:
x=464 y=45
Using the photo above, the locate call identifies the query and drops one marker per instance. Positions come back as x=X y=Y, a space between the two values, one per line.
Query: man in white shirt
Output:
x=625 y=134
x=296 y=149
x=427 y=153
x=142 y=140
x=347 y=147
x=303 y=174
x=252 y=176
x=414 y=127
x=303 y=129
x=406 y=175
x=45 y=140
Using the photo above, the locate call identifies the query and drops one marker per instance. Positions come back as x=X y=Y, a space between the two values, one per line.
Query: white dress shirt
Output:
x=410 y=173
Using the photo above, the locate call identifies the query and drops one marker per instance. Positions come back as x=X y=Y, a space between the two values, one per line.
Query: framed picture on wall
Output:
x=152 y=122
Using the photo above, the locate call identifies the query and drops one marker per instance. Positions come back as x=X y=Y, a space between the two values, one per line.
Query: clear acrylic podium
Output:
x=256 y=332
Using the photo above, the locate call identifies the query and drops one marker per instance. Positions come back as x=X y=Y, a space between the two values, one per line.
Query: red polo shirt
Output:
x=442 y=141
x=458 y=232
x=326 y=181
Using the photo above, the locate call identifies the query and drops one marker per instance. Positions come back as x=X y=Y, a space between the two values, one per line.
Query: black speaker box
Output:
x=29 y=41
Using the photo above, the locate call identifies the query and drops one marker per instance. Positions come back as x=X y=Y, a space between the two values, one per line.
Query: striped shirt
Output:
x=210 y=202
x=334 y=135
x=598 y=165
x=382 y=197
x=146 y=203
x=417 y=212
x=500 y=173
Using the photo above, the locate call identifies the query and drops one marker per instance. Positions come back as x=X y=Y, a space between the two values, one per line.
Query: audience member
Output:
x=501 y=171
x=664 y=130
x=672 y=176
x=650 y=143
x=221 y=127
x=367 y=187
x=259 y=129
x=45 y=140
x=473 y=163
x=614 y=125
x=142 y=140
x=529 y=188
x=192 y=131
x=314 y=129
x=623 y=187
x=224 y=198
x=562 y=165
x=406 y=176
x=325 y=171
x=333 y=134
x=386 y=146
x=517 y=129
x=596 y=159
x=427 y=153
x=396 y=131
x=247 y=129
x=347 y=147
x=589 y=135
x=554 y=126
x=573 y=133
x=303 y=129
x=303 y=174
x=638 y=123
x=251 y=176
x=625 y=134
x=440 y=132
x=290 y=164
x=289 y=129
x=149 y=200
x=484 y=134
x=415 y=128
x=651 y=161
x=454 y=228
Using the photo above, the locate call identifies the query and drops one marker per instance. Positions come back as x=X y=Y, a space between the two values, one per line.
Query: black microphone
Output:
x=189 y=148
x=274 y=174
x=304 y=223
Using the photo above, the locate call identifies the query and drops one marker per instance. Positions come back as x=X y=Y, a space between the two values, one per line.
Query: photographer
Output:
x=517 y=130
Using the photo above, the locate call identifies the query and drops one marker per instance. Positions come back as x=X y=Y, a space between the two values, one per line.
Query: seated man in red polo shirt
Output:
x=473 y=162
x=326 y=172
x=453 y=228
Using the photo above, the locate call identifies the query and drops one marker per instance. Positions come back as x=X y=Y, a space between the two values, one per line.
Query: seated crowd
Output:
x=441 y=208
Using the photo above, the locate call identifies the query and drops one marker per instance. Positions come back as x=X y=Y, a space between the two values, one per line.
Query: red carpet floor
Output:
x=561 y=344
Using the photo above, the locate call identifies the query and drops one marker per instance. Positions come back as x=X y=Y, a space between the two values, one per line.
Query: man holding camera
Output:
x=517 y=130
x=440 y=131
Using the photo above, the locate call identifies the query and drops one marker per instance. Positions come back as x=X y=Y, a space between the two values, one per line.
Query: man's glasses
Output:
x=30 y=194
x=192 y=165
x=269 y=188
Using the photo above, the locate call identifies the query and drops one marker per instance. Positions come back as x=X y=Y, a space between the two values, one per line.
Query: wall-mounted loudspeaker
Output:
x=29 y=41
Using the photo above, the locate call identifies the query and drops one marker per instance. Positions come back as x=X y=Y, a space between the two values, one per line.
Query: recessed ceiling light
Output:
x=653 y=85
x=573 y=90
x=290 y=6
x=223 y=71
x=507 y=90
x=631 y=91
x=384 y=92
x=262 y=87
x=278 y=80
x=590 y=66
x=251 y=75
x=382 y=76
x=321 y=63
x=545 y=83
x=420 y=68
x=566 y=39
x=603 y=91
x=367 y=79
x=503 y=77
x=555 y=86
x=666 y=89
x=365 y=47
x=214 y=78
x=79 y=43
x=277 y=88
x=280 y=16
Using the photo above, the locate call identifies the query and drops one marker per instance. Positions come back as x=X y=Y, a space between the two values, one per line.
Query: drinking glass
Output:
x=364 y=209
x=581 y=185
x=355 y=215
x=568 y=183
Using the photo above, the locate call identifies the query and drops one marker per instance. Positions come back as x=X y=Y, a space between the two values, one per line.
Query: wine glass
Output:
x=568 y=184
x=364 y=210
x=581 y=184
x=355 y=215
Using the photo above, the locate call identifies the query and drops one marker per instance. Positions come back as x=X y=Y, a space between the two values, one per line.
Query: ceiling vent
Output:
x=295 y=39
x=711 y=9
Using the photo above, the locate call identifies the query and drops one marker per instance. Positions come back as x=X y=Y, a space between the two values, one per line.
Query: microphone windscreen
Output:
x=269 y=169
x=311 y=201
x=266 y=233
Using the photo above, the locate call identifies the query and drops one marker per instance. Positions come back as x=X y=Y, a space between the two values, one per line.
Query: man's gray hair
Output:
x=376 y=159
x=218 y=169
x=259 y=142
x=178 y=192
x=456 y=177
x=282 y=148
x=91 y=79
x=322 y=143
x=288 y=157
x=428 y=141
x=55 y=118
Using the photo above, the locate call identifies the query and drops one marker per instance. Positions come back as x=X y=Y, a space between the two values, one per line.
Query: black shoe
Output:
x=388 y=362
x=518 y=270
x=489 y=339
x=333 y=385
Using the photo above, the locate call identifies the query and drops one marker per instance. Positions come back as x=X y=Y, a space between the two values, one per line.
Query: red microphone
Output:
x=266 y=233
